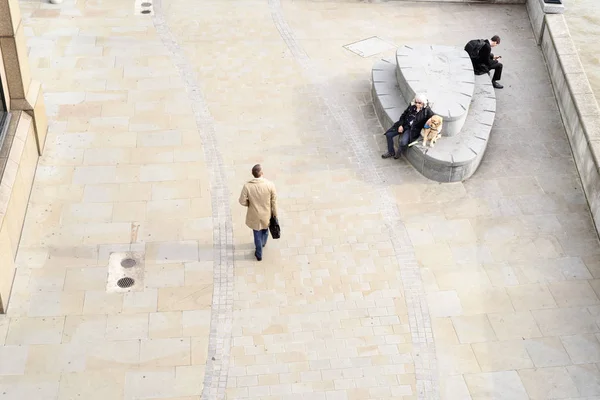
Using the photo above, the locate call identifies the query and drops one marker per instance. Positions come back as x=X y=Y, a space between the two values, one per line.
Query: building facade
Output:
x=23 y=128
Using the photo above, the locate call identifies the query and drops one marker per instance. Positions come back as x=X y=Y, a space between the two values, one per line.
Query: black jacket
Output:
x=482 y=64
x=420 y=119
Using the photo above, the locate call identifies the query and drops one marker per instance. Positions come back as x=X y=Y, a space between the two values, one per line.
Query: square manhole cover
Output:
x=369 y=47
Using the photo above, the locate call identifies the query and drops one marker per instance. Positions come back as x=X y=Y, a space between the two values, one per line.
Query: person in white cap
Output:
x=408 y=126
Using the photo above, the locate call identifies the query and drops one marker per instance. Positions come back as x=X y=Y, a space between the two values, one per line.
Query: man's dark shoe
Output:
x=257 y=257
x=387 y=155
x=497 y=85
x=397 y=155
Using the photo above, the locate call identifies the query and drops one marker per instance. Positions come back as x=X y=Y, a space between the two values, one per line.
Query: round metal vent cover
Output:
x=128 y=263
x=125 y=282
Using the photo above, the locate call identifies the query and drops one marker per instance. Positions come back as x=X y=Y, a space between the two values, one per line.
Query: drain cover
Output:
x=125 y=282
x=128 y=263
x=125 y=272
x=143 y=7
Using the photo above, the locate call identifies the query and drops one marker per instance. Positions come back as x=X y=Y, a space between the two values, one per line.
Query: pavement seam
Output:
x=221 y=323
x=424 y=355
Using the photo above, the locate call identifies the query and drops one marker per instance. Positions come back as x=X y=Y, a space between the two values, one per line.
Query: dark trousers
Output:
x=391 y=133
x=497 y=67
x=260 y=240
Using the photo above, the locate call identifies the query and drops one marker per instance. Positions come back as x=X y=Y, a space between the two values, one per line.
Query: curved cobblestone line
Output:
x=221 y=324
x=419 y=319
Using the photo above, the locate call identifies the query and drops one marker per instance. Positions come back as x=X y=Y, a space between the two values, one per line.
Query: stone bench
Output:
x=466 y=101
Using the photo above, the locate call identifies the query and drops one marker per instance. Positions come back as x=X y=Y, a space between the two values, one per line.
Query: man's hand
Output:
x=497 y=57
x=400 y=129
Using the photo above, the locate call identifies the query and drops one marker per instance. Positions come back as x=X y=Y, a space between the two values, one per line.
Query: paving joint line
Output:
x=221 y=322
x=424 y=355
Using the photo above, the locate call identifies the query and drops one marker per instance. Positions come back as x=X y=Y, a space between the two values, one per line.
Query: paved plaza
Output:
x=384 y=285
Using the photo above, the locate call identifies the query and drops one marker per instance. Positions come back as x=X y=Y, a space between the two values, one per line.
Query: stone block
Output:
x=165 y=352
x=391 y=101
x=578 y=83
x=382 y=70
x=570 y=64
x=24 y=331
x=484 y=385
x=547 y=352
x=431 y=169
x=536 y=383
x=462 y=155
x=595 y=150
x=8 y=26
x=92 y=385
x=586 y=105
x=564 y=46
x=549 y=8
x=16 y=65
x=36 y=108
x=591 y=127
x=476 y=144
x=485 y=118
x=13 y=360
x=536 y=16
x=4 y=79
x=7 y=267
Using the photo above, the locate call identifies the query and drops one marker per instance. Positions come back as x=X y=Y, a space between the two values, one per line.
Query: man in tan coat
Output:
x=261 y=199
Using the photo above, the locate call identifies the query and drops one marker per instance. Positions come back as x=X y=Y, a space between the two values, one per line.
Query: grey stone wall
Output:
x=577 y=104
x=536 y=16
x=469 y=1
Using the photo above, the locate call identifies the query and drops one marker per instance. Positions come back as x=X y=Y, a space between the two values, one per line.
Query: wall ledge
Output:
x=18 y=162
x=576 y=101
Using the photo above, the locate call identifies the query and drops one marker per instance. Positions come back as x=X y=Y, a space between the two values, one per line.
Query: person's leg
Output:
x=390 y=135
x=257 y=244
x=497 y=71
x=497 y=67
x=404 y=142
x=265 y=236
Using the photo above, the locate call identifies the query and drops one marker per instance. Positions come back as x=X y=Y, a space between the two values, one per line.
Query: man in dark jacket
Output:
x=409 y=126
x=484 y=60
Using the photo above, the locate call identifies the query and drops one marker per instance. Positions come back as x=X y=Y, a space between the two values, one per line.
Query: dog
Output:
x=432 y=130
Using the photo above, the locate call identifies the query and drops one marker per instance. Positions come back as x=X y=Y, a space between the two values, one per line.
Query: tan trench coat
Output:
x=260 y=197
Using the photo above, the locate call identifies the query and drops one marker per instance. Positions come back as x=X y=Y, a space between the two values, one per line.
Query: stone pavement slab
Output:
x=383 y=285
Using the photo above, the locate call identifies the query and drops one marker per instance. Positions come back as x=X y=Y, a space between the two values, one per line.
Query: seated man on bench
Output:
x=409 y=126
x=480 y=51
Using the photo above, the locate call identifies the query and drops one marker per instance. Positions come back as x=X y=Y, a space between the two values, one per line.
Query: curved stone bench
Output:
x=454 y=158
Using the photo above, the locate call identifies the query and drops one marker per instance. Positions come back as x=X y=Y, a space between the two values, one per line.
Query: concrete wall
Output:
x=578 y=106
x=536 y=16
x=20 y=155
x=469 y=1
x=24 y=141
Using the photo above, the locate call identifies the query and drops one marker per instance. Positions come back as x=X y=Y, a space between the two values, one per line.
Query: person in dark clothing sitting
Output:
x=480 y=51
x=409 y=126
